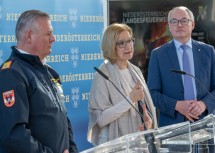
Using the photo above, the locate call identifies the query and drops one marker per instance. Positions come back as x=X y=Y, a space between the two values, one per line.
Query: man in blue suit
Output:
x=167 y=88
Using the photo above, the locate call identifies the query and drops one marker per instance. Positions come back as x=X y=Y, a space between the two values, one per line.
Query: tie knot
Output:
x=184 y=47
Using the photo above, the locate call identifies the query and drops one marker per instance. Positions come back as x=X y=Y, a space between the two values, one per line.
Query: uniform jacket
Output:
x=166 y=87
x=32 y=113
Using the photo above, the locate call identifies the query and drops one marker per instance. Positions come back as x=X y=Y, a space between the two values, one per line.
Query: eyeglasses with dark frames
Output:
x=122 y=44
x=183 y=21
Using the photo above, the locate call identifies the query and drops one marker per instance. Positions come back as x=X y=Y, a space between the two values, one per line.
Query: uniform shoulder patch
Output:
x=9 y=98
x=6 y=65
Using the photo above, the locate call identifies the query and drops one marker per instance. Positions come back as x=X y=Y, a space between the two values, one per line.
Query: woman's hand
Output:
x=137 y=92
x=66 y=151
x=147 y=119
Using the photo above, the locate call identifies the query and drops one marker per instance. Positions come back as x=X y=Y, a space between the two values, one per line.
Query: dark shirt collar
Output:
x=32 y=59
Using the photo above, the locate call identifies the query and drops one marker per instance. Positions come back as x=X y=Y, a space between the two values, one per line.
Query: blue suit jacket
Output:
x=166 y=87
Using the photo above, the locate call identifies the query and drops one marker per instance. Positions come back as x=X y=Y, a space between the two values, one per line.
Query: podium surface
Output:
x=186 y=137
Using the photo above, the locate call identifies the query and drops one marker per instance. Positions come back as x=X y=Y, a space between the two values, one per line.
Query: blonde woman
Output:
x=110 y=114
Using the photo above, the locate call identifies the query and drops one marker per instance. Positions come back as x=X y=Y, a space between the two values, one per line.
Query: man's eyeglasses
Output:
x=122 y=44
x=183 y=21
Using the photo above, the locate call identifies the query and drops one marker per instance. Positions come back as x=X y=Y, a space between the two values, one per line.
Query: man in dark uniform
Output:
x=33 y=118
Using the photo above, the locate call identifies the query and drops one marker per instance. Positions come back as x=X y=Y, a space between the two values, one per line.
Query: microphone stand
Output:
x=184 y=73
x=149 y=137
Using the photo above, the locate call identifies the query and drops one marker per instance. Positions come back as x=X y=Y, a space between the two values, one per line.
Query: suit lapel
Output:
x=197 y=55
x=174 y=59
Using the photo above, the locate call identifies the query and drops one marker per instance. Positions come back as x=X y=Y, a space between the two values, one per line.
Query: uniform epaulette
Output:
x=6 y=65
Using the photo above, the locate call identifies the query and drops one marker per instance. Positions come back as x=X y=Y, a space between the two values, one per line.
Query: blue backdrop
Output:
x=78 y=26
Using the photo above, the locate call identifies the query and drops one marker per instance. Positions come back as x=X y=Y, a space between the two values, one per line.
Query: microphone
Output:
x=178 y=71
x=107 y=78
x=102 y=74
x=184 y=73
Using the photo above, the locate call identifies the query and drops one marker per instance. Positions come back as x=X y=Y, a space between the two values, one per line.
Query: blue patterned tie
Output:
x=188 y=84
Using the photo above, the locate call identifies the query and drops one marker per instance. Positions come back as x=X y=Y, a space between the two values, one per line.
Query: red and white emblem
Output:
x=9 y=98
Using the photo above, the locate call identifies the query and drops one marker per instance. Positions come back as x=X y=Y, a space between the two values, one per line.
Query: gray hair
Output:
x=190 y=13
x=26 y=20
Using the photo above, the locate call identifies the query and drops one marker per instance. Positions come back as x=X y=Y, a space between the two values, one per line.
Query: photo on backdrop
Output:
x=148 y=19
